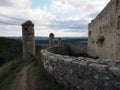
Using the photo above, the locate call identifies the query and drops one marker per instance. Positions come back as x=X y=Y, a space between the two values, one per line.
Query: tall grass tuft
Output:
x=6 y=69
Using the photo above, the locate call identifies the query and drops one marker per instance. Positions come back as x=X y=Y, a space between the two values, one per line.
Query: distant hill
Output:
x=9 y=49
x=46 y=39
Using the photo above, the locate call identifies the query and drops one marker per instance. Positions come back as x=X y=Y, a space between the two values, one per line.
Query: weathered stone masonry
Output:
x=51 y=39
x=59 y=41
x=104 y=32
x=28 y=40
x=82 y=73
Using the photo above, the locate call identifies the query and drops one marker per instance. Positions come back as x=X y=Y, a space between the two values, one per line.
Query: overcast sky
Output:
x=62 y=17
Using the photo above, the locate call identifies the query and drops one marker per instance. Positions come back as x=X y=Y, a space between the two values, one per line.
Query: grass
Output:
x=9 y=49
x=40 y=46
x=43 y=80
x=31 y=77
x=10 y=69
x=10 y=61
x=6 y=83
x=7 y=68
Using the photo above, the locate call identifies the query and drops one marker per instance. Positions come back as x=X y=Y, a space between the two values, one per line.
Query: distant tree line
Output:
x=9 y=49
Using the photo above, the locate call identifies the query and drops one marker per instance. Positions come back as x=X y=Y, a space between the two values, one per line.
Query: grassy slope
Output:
x=9 y=49
x=12 y=50
x=6 y=84
x=10 y=61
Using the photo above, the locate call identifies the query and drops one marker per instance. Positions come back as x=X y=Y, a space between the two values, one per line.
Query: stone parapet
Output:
x=80 y=73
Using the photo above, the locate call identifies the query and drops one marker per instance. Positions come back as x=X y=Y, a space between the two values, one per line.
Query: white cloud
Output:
x=77 y=9
x=60 y=6
x=21 y=3
x=60 y=33
x=36 y=15
x=15 y=3
x=78 y=5
x=71 y=13
x=8 y=30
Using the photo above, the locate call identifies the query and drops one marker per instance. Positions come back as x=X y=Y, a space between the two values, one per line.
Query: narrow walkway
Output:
x=21 y=81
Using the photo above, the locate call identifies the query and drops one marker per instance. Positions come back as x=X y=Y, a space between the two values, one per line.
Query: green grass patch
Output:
x=41 y=46
x=6 y=69
x=10 y=61
x=31 y=78
x=7 y=82
x=9 y=49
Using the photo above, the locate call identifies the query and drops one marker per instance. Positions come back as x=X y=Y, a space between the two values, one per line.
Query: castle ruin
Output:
x=59 y=41
x=28 y=40
x=84 y=73
x=104 y=32
x=51 y=39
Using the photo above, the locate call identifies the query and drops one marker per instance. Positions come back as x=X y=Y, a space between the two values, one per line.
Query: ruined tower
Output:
x=59 y=41
x=28 y=40
x=51 y=39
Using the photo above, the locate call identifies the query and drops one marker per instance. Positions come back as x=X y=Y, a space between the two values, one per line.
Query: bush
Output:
x=100 y=40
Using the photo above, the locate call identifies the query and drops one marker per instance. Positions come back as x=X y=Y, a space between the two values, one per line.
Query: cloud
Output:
x=36 y=15
x=9 y=20
x=68 y=24
x=5 y=3
x=60 y=6
x=14 y=12
x=8 y=30
x=74 y=15
x=15 y=3
x=20 y=10
x=62 y=17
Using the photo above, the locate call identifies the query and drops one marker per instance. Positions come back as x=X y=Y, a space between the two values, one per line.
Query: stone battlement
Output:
x=82 y=73
x=105 y=10
x=27 y=24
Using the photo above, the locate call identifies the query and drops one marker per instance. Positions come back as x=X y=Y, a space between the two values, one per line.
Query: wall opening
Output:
x=119 y=22
x=89 y=32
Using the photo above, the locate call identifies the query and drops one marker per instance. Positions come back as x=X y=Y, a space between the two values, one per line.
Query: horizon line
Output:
x=46 y=36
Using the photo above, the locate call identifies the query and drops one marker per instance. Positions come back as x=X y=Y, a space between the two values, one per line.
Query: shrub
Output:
x=100 y=40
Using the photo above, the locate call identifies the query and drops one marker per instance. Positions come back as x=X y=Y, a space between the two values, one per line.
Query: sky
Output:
x=64 y=18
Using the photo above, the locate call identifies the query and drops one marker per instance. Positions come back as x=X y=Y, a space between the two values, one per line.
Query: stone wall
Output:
x=78 y=48
x=107 y=25
x=82 y=73
x=28 y=40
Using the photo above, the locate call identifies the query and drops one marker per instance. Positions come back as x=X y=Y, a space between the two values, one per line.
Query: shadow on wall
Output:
x=78 y=49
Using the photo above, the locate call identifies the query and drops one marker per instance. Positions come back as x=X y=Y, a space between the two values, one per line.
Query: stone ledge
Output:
x=82 y=73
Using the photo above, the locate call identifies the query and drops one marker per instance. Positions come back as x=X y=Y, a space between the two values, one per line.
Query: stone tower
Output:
x=59 y=41
x=51 y=39
x=28 y=40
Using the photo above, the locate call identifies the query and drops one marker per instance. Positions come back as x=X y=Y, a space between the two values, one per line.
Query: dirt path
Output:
x=21 y=81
